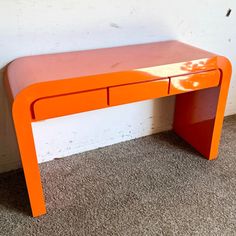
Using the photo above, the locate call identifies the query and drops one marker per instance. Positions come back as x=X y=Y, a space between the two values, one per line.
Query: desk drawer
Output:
x=62 y=105
x=137 y=92
x=186 y=83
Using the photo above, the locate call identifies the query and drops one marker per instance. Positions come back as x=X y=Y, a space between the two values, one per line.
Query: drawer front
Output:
x=186 y=83
x=137 y=92
x=62 y=105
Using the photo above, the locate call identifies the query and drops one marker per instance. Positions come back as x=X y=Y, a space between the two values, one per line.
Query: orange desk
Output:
x=47 y=86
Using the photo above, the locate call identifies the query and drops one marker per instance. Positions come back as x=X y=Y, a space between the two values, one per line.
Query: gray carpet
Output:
x=156 y=185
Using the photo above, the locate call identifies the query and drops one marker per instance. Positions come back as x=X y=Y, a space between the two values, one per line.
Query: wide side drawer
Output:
x=137 y=92
x=50 y=107
x=186 y=83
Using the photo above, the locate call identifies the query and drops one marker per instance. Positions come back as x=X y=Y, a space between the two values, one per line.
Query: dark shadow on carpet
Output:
x=13 y=192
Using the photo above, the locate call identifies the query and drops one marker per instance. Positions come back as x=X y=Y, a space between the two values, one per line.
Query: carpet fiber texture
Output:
x=156 y=185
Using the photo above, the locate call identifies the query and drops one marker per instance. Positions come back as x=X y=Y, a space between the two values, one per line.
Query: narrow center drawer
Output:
x=187 y=83
x=62 y=105
x=137 y=92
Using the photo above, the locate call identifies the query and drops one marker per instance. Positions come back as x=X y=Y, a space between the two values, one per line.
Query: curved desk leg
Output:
x=22 y=122
x=199 y=115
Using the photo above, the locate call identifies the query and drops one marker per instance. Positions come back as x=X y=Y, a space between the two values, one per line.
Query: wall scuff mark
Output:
x=228 y=12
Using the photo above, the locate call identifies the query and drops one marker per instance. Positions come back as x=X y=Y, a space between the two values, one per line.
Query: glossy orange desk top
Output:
x=151 y=59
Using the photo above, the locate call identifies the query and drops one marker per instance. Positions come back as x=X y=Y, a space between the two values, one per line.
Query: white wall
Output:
x=35 y=27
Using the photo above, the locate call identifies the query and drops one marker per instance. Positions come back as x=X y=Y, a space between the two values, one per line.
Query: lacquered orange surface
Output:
x=27 y=71
x=197 y=81
x=199 y=115
x=50 y=107
x=47 y=86
x=138 y=92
